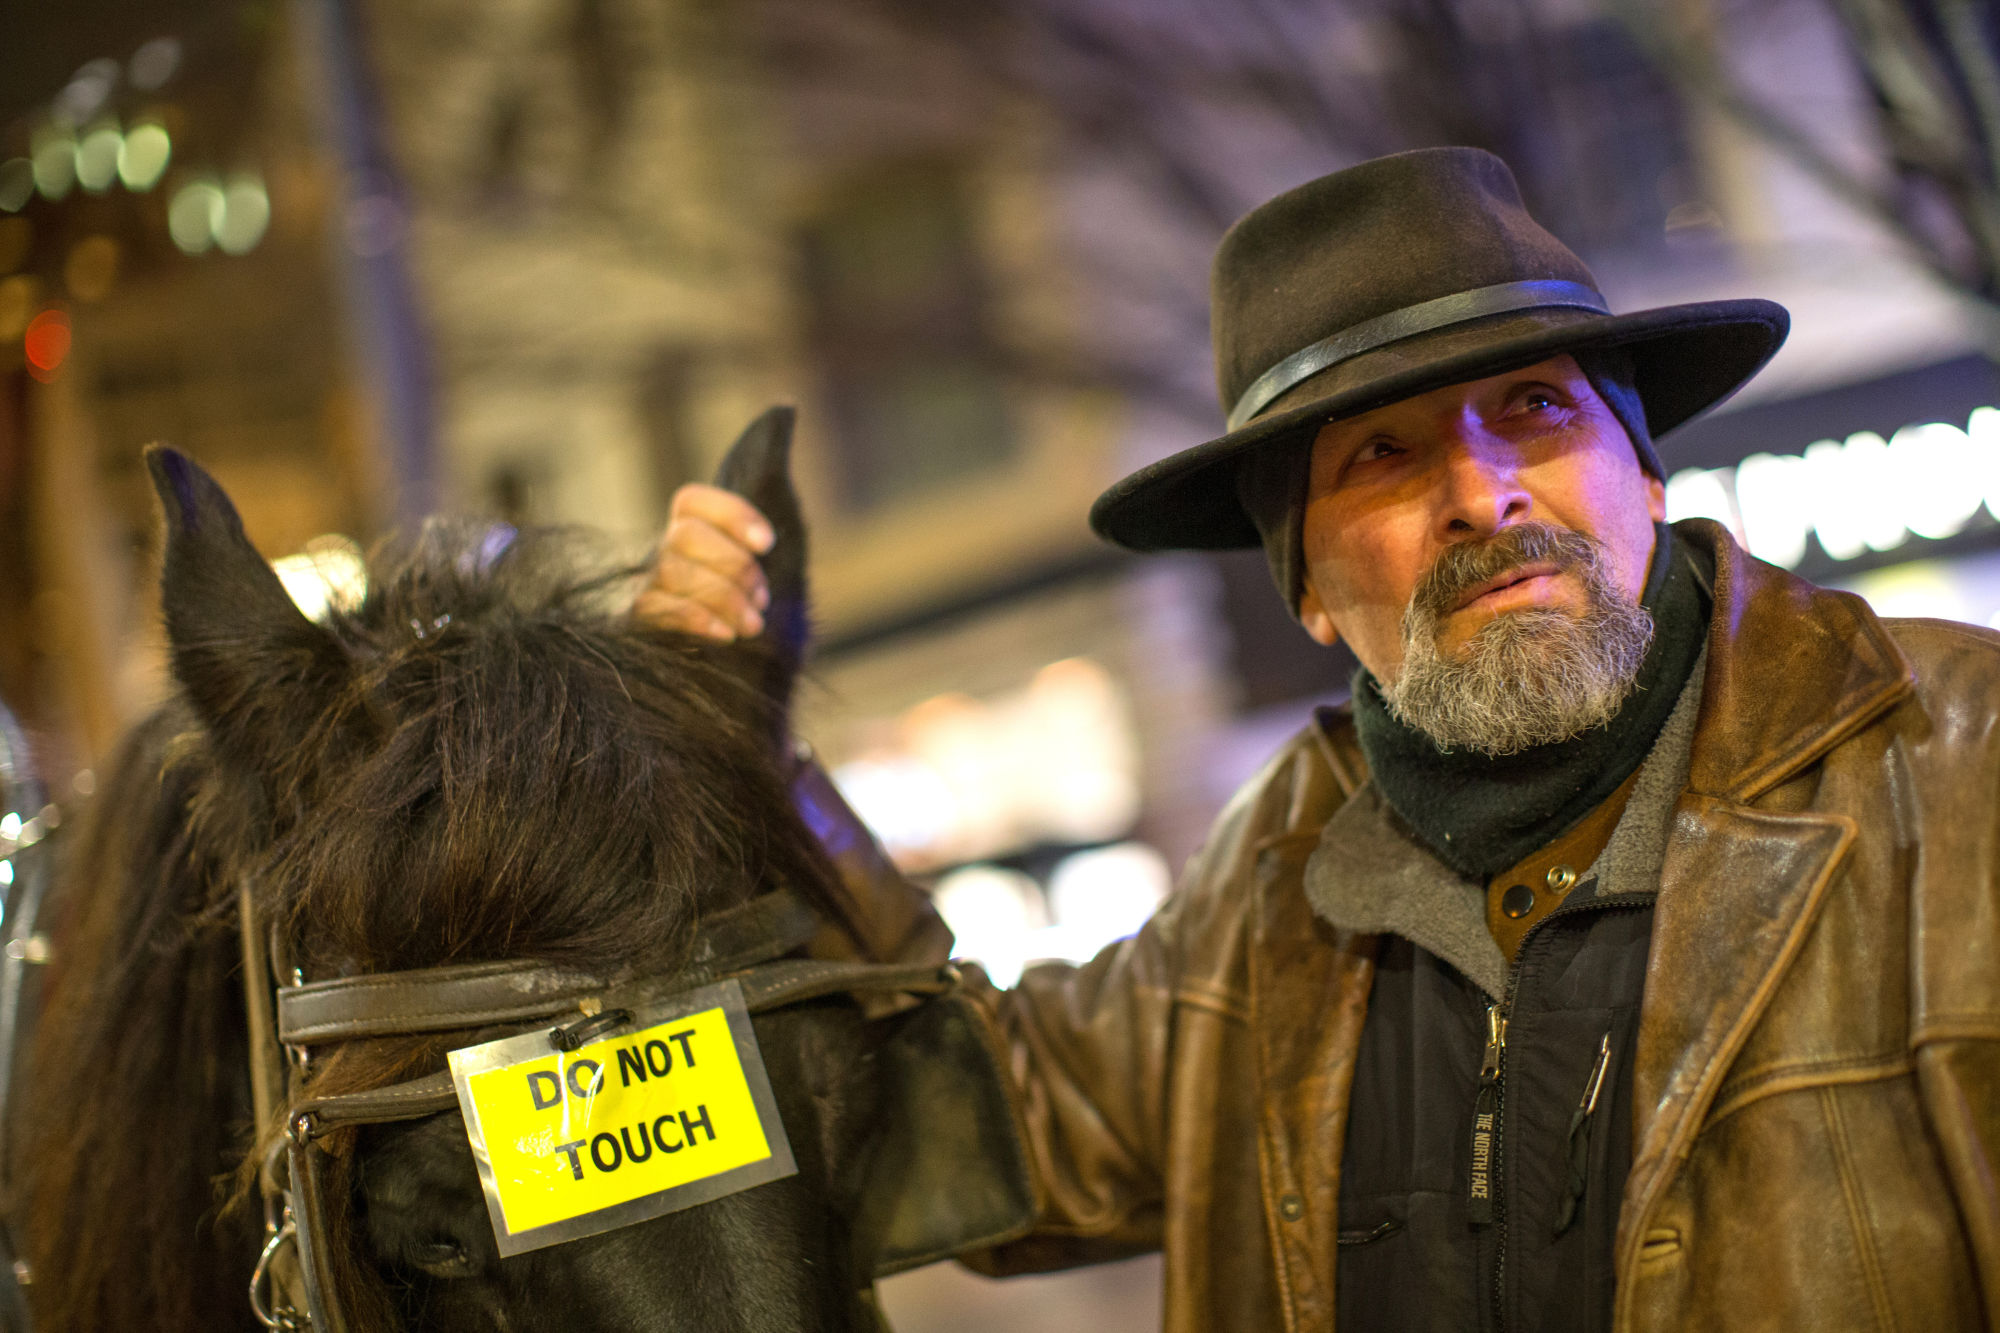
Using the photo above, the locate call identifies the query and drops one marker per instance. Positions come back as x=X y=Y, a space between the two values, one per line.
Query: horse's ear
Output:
x=258 y=673
x=758 y=467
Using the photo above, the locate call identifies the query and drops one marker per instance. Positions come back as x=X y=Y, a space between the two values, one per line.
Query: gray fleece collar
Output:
x=1369 y=875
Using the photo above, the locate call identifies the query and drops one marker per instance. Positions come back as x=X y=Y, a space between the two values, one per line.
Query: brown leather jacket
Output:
x=1817 y=1087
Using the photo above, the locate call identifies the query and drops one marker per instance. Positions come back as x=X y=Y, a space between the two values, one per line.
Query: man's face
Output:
x=1393 y=489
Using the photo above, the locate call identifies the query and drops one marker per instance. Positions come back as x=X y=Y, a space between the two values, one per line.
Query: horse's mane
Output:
x=504 y=767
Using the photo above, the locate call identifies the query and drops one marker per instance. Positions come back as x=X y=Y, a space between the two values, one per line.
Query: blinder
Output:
x=945 y=1169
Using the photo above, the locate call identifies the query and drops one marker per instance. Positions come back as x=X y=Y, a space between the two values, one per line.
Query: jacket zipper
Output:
x=1486 y=1116
x=1491 y=1100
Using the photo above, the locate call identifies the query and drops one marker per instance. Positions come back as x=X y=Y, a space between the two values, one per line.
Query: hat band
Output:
x=1407 y=322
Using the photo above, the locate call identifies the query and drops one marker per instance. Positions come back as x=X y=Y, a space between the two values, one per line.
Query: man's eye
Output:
x=1536 y=402
x=1376 y=449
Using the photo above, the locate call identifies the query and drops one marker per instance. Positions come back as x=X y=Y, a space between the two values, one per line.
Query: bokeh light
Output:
x=1854 y=496
x=1104 y=894
x=97 y=157
x=143 y=155
x=17 y=184
x=195 y=215
x=994 y=914
x=153 y=64
x=46 y=344
x=53 y=153
x=18 y=296
x=92 y=268
x=246 y=213
x=329 y=574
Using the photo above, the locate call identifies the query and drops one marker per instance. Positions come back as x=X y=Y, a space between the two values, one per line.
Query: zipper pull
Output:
x=1485 y=1116
x=1579 y=1137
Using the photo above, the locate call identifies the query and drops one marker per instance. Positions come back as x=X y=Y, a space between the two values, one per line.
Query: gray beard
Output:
x=1527 y=678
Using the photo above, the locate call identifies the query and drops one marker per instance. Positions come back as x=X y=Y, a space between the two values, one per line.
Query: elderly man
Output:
x=1627 y=955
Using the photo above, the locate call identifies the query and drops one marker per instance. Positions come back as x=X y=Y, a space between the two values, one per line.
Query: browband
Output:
x=1407 y=322
x=772 y=986
x=438 y=999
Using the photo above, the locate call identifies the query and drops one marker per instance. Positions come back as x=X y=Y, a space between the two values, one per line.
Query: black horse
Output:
x=486 y=760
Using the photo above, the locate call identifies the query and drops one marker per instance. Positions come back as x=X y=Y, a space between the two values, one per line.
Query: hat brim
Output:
x=1686 y=359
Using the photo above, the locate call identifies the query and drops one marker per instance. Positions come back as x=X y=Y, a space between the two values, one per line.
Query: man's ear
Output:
x=1313 y=615
x=1656 y=499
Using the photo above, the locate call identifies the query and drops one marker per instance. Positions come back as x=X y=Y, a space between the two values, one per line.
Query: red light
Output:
x=46 y=344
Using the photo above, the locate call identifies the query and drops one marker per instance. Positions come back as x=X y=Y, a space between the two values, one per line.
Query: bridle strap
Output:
x=440 y=999
x=766 y=987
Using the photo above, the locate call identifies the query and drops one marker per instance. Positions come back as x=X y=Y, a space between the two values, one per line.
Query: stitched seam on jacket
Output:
x=1957 y=1027
x=1802 y=1075
x=1213 y=1001
x=1857 y=1209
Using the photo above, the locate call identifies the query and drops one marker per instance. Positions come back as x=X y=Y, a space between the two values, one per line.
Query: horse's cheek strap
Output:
x=308 y=1165
x=945 y=1168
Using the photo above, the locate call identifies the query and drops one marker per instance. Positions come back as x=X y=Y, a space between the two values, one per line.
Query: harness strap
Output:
x=771 y=986
x=437 y=999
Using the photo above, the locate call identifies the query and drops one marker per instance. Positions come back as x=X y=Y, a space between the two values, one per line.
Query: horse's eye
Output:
x=442 y=1258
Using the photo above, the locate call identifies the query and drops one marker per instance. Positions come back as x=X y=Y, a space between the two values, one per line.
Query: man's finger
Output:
x=665 y=610
x=694 y=547
x=726 y=511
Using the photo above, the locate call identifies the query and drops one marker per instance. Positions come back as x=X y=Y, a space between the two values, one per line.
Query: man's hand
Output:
x=706 y=579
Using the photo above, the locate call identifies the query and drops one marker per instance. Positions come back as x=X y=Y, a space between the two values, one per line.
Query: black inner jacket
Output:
x=1410 y=1259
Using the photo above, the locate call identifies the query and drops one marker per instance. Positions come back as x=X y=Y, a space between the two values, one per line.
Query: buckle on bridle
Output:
x=277 y=1314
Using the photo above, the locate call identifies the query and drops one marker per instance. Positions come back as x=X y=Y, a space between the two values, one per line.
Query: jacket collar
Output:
x=1793 y=670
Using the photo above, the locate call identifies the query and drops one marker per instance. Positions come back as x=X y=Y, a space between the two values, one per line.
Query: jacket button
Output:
x=1291 y=1208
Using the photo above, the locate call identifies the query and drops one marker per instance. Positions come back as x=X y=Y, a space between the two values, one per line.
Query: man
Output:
x=1625 y=955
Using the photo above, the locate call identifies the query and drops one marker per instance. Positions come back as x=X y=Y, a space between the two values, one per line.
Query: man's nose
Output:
x=1482 y=485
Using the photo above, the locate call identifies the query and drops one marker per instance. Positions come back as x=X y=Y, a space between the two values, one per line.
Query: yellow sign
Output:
x=648 y=1120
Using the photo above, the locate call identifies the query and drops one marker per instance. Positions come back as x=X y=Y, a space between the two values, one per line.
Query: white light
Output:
x=1103 y=895
x=994 y=915
x=1835 y=476
x=1701 y=493
x=1934 y=474
x=143 y=156
x=10 y=825
x=328 y=575
x=1771 y=496
x=53 y=153
x=246 y=213
x=1983 y=429
x=97 y=158
x=907 y=804
x=195 y=215
x=6 y=872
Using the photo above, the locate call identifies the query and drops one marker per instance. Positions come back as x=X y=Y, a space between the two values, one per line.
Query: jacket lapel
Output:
x=1738 y=892
x=1793 y=670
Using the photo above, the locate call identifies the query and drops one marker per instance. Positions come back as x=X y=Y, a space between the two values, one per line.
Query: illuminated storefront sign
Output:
x=1852 y=496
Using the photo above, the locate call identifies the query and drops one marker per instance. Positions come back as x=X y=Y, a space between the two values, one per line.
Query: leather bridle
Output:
x=291 y=1018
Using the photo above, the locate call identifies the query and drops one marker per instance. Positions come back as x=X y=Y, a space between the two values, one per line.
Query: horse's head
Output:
x=488 y=760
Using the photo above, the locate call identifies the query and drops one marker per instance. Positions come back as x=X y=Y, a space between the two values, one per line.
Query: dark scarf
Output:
x=1481 y=814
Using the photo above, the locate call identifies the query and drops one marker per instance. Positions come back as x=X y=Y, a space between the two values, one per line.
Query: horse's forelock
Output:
x=538 y=775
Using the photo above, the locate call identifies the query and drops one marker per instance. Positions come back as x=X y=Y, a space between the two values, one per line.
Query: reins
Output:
x=289 y=1287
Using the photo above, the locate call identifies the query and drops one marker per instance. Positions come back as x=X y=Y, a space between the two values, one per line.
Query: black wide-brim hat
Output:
x=1390 y=279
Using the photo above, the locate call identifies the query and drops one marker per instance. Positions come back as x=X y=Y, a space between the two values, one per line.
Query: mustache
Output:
x=1458 y=569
